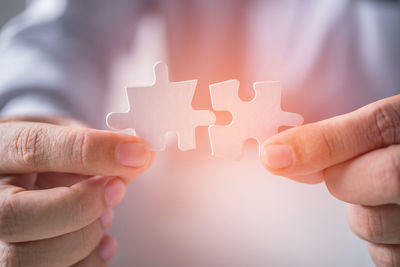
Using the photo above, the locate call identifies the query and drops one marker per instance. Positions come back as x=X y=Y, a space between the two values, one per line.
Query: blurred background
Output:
x=194 y=210
x=9 y=8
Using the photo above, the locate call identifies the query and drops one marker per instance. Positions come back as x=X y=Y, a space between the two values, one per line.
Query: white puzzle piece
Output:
x=161 y=108
x=257 y=119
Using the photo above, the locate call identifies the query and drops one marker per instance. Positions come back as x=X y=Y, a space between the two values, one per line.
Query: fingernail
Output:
x=277 y=156
x=107 y=248
x=133 y=154
x=107 y=218
x=114 y=192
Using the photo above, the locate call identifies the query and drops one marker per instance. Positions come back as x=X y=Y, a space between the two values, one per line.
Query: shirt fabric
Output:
x=332 y=57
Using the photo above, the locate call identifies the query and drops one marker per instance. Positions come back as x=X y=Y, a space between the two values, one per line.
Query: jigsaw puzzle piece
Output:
x=156 y=140
x=257 y=119
x=223 y=93
x=161 y=108
x=118 y=121
x=187 y=136
x=125 y=120
x=271 y=93
x=160 y=74
x=187 y=140
x=291 y=119
x=226 y=142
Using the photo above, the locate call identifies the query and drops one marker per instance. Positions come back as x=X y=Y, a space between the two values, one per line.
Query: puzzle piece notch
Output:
x=257 y=119
x=161 y=108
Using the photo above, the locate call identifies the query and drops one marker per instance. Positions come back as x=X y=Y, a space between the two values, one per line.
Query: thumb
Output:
x=309 y=149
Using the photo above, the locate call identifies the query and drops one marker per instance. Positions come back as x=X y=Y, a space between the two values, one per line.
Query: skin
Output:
x=58 y=183
x=358 y=157
x=45 y=210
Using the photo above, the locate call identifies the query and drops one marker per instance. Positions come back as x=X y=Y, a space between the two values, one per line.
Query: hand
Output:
x=58 y=185
x=358 y=157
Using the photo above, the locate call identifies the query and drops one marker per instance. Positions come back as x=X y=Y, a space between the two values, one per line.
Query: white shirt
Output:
x=191 y=209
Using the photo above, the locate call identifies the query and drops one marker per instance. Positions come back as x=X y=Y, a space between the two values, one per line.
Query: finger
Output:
x=44 y=180
x=385 y=255
x=26 y=180
x=28 y=147
x=313 y=178
x=378 y=224
x=41 y=214
x=64 y=250
x=48 y=180
x=314 y=147
x=371 y=179
x=102 y=255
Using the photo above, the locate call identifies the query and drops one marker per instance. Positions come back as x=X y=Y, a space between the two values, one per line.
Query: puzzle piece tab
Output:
x=161 y=108
x=257 y=119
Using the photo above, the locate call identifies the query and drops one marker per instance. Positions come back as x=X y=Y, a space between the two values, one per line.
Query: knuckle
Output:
x=77 y=141
x=386 y=181
x=328 y=143
x=88 y=148
x=368 y=224
x=28 y=145
x=384 y=120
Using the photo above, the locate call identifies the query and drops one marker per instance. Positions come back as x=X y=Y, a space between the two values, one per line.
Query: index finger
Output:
x=311 y=148
x=27 y=147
